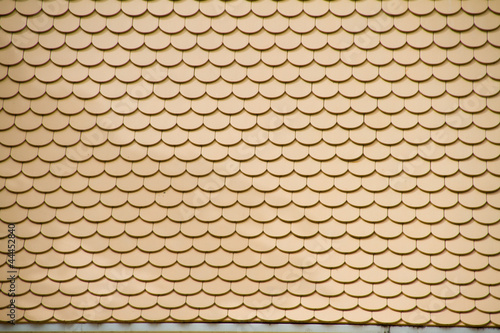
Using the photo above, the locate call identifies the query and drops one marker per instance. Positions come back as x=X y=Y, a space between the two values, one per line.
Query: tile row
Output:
x=324 y=91
x=236 y=40
x=320 y=177
x=222 y=196
x=380 y=270
x=250 y=23
x=223 y=294
x=244 y=135
x=183 y=75
x=144 y=227
x=363 y=113
x=458 y=214
x=255 y=160
x=482 y=220
x=200 y=295
x=440 y=158
x=196 y=56
x=432 y=12
x=121 y=287
x=268 y=314
x=290 y=198
x=57 y=136
x=144 y=58
x=346 y=177
x=429 y=214
x=356 y=248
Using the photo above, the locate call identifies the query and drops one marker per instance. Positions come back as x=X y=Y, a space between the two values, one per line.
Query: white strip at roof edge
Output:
x=234 y=328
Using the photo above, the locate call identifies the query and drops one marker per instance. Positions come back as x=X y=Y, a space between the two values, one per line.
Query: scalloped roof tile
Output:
x=325 y=161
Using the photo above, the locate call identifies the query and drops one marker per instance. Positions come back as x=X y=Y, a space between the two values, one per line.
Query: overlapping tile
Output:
x=303 y=162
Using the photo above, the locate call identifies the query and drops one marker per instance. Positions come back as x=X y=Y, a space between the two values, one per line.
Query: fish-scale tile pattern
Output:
x=254 y=161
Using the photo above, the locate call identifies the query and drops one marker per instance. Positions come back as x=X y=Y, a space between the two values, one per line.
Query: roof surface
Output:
x=251 y=161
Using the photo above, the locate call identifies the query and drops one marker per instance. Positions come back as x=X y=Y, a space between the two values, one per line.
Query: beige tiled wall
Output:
x=252 y=161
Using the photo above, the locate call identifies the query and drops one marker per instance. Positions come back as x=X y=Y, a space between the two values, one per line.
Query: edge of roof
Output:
x=235 y=327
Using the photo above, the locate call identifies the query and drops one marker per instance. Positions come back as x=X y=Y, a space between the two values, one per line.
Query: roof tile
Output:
x=475 y=8
x=98 y=189
x=433 y=21
x=9 y=7
x=475 y=317
x=372 y=302
x=13 y=214
x=354 y=22
x=407 y=22
x=474 y=290
x=444 y=198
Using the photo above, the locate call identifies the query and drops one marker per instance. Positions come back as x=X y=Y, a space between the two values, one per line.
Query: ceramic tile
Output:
x=8 y=8
x=259 y=207
x=434 y=21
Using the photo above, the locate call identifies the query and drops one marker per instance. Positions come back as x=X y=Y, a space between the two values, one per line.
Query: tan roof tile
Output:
x=460 y=21
x=386 y=315
x=82 y=228
x=354 y=22
x=257 y=301
x=475 y=317
x=460 y=304
x=421 y=291
x=277 y=234
x=485 y=214
x=493 y=7
x=205 y=272
x=433 y=21
x=195 y=228
x=474 y=290
x=372 y=302
x=359 y=259
x=56 y=301
x=235 y=297
x=242 y=313
x=473 y=199
x=459 y=245
x=445 y=290
x=39 y=314
x=447 y=9
x=9 y=7
x=494 y=318
x=22 y=72
x=46 y=289
x=475 y=8
x=397 y=301
x=229 y=300
x=357 y=315
x=84 y=301
x=214 y=313
x=445 y=316
x=315 y=302
x=228 y=273
x=13 y=21
x=159 y=287
x=74 y=286
x=329 y=259
x=143 y=301
x=373 y=213
x=186 y=9
x=407 y=22
x=478 y=264
x=493 y=38
x=316 y=274
x=417 y=316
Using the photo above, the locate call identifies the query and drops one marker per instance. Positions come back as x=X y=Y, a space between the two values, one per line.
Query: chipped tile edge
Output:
x=235 y=327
